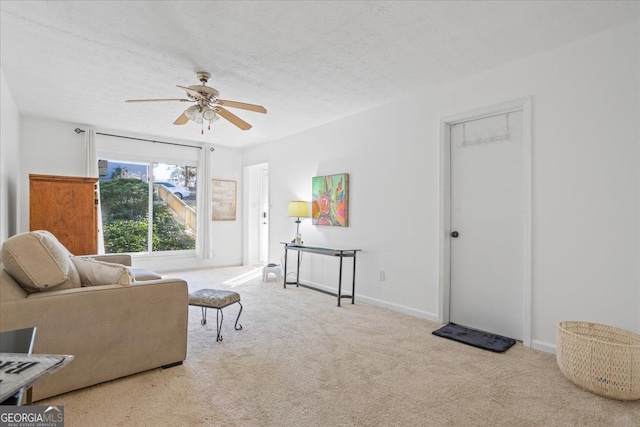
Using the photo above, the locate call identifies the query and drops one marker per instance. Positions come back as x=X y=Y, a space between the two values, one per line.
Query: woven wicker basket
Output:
x=602 y=359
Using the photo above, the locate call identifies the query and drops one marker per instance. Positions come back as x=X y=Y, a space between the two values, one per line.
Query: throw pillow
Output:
x=95 y=273
x=39 y=262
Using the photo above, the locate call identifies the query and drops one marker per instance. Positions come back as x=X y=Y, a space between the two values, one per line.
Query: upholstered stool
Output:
x=272 y=268
x=214 y=298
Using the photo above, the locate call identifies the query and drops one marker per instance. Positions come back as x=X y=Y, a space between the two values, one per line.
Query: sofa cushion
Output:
x=96 y=273
x=39 y=262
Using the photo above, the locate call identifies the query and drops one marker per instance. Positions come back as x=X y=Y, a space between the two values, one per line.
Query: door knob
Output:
x=454 y=234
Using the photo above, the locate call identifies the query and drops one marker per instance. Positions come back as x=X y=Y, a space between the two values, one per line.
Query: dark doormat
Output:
x=475 y=338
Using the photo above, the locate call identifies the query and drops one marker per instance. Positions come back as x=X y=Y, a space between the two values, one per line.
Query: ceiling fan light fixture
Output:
x=193 y=112
x=198 y=114
x=209 y=115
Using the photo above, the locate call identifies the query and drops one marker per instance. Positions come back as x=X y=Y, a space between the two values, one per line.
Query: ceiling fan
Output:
x=207 y=105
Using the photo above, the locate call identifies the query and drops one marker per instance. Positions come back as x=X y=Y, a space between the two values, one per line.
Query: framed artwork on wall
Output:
x=223 y=200
x=330 y=200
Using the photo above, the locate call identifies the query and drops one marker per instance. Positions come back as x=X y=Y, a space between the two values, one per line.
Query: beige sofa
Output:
x=112 y=330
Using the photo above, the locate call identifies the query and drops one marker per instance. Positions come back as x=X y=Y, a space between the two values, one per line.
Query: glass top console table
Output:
x=340 y=253
x=20 y=369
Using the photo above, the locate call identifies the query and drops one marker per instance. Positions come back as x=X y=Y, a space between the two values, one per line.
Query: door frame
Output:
x=523 y=104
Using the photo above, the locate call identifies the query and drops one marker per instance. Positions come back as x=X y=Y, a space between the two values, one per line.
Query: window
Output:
x=133 y=192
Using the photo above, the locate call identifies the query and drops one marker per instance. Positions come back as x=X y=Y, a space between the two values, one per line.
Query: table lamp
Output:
x=298 y=209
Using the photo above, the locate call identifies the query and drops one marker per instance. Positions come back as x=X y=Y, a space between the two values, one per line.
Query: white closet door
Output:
x=487 y=199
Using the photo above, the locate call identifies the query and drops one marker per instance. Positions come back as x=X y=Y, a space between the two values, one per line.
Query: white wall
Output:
x=9 y=162
x=586 y=185
x=52 y=147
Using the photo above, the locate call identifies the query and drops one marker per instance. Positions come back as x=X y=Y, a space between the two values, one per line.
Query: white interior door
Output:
x=487 y=258
x=264 y=215
x=256 y=218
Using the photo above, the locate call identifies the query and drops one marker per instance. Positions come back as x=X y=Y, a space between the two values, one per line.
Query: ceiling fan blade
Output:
x=226 y=114
x=183 y=119
x=154 y=100
x=244 y=106
x=192 y=92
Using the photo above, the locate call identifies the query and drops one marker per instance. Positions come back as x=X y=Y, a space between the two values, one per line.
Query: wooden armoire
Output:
x=66 y=206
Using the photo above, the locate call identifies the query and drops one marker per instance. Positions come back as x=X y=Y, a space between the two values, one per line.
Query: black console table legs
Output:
x=341 y=253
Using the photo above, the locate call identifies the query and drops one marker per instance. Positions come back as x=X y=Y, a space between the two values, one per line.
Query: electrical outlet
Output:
x=382 y=275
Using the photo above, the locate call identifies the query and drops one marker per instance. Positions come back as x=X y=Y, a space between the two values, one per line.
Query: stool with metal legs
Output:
x=218 y=299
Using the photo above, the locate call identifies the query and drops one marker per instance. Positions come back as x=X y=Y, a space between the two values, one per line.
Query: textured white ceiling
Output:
x=307 y=62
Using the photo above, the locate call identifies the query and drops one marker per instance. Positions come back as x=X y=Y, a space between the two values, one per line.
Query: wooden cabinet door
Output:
x=66 y=207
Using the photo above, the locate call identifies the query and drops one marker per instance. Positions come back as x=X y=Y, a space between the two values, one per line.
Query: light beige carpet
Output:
x=302 y=361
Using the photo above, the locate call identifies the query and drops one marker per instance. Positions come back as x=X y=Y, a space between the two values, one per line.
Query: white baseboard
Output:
x=189 y=267
x=399 y=308
x=374 y=301
x=543 y=346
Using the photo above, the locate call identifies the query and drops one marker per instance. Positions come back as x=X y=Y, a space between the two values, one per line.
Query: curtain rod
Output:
x=78 y=130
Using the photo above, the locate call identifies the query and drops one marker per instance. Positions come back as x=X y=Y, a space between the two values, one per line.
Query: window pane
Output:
x=174 y=207
x=124 y=196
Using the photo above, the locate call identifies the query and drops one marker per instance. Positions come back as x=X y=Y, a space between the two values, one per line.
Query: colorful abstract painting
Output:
x=330 y=201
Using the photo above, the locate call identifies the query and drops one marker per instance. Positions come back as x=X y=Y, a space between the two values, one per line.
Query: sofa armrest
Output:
x=112 y=331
